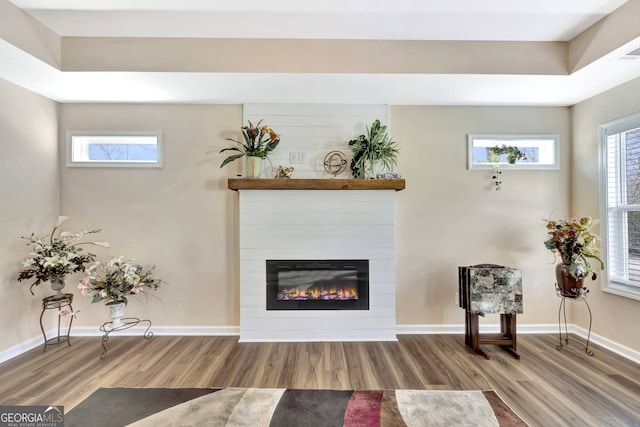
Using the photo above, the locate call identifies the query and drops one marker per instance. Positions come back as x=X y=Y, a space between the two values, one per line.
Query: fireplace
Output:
x=318 y=284
x=316 y=225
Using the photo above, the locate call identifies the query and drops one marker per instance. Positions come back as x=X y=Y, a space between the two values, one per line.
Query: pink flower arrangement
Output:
x=116 y=280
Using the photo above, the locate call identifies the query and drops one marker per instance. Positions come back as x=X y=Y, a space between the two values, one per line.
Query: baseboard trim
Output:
x=610 y=345
x=88 y=331
x=459 y=329
x=23 y=347
x=315 y=340
x=92 y=331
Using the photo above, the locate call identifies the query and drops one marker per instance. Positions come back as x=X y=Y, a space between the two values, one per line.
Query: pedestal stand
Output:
x=562 y=313
x=56 y=303
x=127 y=322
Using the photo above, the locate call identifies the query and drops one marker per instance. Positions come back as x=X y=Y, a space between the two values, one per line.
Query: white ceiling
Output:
x=506 y=20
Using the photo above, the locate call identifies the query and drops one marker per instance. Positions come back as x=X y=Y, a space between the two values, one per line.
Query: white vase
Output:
x=116 y=311
x=371 y=169
x=252 y=167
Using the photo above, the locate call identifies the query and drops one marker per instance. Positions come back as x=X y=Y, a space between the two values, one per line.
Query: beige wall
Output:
x=180 y=218
x=611 y=32
x=449 y=216
x=614 y=317
x=314 y=56
x=28 y=34
x=29 y=195
x=183 y=219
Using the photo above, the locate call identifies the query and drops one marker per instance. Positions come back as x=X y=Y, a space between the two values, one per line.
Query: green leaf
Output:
x=231 y=159
x=231 y=149
x=272 y=145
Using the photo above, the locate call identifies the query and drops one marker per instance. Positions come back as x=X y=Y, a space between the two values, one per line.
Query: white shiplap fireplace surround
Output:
x=315 y=218
x=317 y=224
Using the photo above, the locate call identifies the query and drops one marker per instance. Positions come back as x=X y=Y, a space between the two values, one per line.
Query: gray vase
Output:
x=57 y=284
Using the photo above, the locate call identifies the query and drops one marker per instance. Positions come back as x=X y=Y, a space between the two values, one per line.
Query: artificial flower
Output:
x=116 y=280
x=258 y=141
x=56 y=256
x=574 y=242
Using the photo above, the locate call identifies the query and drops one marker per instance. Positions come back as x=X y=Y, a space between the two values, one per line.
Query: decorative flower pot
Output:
x=569 y=285
x=116 y=311
x=253 y=167
x=57 y=284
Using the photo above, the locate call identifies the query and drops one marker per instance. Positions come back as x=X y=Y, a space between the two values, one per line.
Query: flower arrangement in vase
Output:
x=257 y=142
x=116 y=280
x=55 y=256
x=575 y=243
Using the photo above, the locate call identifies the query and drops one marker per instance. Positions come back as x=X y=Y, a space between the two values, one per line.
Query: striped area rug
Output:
x=291 y=407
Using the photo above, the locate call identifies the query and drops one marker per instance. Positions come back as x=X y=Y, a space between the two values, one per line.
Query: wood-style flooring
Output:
x=546 y=387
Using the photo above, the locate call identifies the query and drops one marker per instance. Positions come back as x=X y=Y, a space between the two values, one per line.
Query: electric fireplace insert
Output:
x=318 y=284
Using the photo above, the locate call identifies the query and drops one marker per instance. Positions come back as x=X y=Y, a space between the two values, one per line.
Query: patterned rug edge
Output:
x=279 y=406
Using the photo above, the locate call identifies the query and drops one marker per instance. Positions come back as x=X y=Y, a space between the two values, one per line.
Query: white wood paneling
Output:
x=314 y=130
x=319 y=231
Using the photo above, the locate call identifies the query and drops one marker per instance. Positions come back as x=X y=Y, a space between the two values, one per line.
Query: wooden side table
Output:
x=490 y=288
x=56 y=303
x=507 y=338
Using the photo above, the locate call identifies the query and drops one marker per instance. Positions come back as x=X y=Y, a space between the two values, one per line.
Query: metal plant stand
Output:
x=56 y=303
x=127 y=322
x=562 y=314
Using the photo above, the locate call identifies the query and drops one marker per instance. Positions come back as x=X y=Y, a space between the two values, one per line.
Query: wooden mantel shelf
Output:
x=315 y=184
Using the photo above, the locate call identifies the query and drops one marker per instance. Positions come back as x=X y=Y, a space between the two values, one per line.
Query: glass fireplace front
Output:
x=317 y=284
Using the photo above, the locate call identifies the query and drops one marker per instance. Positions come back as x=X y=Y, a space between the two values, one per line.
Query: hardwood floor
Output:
x=546 y=387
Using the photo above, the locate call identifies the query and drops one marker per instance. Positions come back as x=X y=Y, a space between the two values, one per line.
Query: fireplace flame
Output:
x=319 y=293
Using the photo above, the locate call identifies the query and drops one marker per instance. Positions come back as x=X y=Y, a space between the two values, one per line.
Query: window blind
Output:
x=622 y=164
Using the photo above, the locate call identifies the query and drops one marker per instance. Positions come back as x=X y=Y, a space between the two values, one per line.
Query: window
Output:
x=620 y=205
x=540 y=151
x=114 y=149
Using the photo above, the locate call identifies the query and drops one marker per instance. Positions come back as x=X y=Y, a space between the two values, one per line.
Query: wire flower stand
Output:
x=578 y=295
x=55 y=302
x=127 y=323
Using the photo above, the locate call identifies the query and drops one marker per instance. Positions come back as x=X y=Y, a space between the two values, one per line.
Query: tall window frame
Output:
x=619 y=146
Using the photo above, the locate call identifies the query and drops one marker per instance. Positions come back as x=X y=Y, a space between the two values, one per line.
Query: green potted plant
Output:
x=257 y=142
x=374 y=146
x=513 y=153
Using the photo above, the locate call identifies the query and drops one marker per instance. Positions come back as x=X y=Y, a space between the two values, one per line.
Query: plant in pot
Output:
x=513 y=153
x=376 y=146
x=257 y=142
x=115 y=281
x=573 y=240
x=56 y=255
